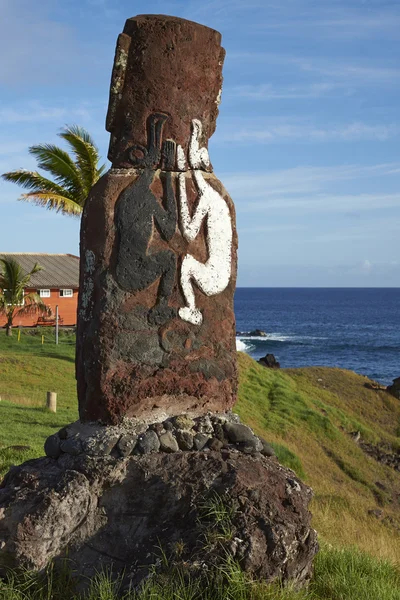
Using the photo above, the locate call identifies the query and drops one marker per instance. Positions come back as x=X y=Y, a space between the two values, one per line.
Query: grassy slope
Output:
x=306 y=413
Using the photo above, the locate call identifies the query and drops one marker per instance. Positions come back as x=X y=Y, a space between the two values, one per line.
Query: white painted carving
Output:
x=212 y=277
x=180 y=158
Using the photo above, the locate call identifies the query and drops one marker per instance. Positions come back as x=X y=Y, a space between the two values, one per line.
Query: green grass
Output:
x=339 y=575
x=350 y=573
x=29 y=369
x=307 y=416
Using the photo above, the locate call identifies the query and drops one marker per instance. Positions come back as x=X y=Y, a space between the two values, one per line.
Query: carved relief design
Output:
x=138 y=211
x=212 y=277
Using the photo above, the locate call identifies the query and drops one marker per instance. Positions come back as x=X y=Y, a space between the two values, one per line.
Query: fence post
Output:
x=57 y=324
x=52 y=401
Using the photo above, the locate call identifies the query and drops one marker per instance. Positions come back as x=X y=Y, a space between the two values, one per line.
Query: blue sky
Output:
x=307 y=141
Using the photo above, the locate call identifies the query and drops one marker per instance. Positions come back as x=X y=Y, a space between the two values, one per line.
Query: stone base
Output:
x=214 y=431
x=104 y=511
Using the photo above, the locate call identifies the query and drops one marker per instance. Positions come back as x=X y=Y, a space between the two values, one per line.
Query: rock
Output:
x=269 y=361
x=394 y=389
x=71 y=445
x=144 y=350
x=101 y=444
x=215 y=444
x=375 y=385
x=253 y=333
x=236 y=433
x=148 y=442
x=251 y=446
x=200 y=441
x=87 y=508
x=257 y=333
x=219 y=432
x=184 y=439
x=158 y=428
x=168 y=443
x=52 y=446
x=183 y=422
x=63 y=433
x=168 y=426
x=126 y=444
x=204 y=425
x=377 y=513
x=383 y=453
x=266 y=449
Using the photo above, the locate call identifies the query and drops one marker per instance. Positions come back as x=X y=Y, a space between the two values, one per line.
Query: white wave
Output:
x=242 y=346
x=270 y=337
x=278 y=337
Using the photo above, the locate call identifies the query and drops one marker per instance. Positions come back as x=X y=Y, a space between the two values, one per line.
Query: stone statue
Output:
x=156 y=356
x=156 y=327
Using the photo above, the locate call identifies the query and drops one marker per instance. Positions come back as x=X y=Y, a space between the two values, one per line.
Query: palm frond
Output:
x=58 y=162
x=33 y=304
x=12 y=283
x=3 y=302
x=32 y=180
x=73 y=175
x=13 y=302
x=86 y=153
x=11 y=273
x=51 y=201
x=26 y=278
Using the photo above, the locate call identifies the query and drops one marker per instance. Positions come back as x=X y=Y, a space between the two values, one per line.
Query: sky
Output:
x=307 y=140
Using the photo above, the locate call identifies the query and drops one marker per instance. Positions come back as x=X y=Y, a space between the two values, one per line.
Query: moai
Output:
x=156 y=327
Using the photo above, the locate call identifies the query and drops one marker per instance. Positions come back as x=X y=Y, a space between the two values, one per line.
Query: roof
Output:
x=59 y=270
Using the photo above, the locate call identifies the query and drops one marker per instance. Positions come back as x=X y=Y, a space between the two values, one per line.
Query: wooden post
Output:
x=19 y=334
x=42 y=340
x=57 y=324
x=51 y=402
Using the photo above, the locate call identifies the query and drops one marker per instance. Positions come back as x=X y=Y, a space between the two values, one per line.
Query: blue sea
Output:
x=357 y=329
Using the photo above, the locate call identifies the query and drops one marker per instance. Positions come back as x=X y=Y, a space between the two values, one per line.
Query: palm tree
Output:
x=73 y=176
x=13 y=302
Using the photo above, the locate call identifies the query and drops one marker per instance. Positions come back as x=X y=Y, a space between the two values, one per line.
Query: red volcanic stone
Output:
x=112 y=513
x=156 y=327
x=163 y=64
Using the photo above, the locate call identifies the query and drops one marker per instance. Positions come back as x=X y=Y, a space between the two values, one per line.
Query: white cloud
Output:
x=326 y=203
x=300 y=180
x=336 y=73
x=271 y=92
x=272 y=229
x=271 y=132
x=32 y=112
x=334 y=20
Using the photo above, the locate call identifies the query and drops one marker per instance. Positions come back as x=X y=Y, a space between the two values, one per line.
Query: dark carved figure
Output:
x=137 y=212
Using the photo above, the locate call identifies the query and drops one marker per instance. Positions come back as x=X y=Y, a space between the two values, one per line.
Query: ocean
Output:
x=357 y=329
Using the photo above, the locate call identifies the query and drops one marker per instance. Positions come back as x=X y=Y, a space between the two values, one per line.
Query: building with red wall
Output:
x=57 y=284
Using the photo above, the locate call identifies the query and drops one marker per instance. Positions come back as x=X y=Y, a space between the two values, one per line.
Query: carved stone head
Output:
x=176 y=72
